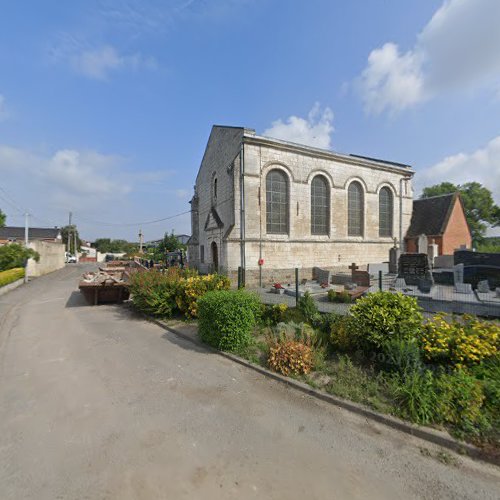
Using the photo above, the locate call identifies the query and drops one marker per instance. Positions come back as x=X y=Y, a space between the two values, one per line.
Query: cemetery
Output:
x=467 y=282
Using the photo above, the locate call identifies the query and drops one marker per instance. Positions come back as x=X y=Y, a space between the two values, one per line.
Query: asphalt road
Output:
x=97 y=403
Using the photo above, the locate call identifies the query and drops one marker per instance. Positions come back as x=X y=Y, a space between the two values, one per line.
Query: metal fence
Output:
x=433 y=298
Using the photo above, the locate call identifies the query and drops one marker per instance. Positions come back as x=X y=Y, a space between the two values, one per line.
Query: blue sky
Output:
x=106 y=105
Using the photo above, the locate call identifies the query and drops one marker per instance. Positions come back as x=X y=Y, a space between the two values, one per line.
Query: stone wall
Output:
x=52 y=258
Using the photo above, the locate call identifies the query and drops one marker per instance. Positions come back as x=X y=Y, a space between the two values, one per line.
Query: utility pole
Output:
x=26 y=241
x=76 y=249
x=69 y=233
x=140 y=241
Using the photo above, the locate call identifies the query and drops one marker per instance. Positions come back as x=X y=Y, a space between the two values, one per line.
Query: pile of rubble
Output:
x=102 y=278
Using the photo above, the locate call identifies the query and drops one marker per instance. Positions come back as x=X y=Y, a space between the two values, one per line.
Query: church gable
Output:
x=213 y=220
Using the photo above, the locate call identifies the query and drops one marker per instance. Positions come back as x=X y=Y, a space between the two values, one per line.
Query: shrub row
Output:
x=11 y=275
x=162 y=294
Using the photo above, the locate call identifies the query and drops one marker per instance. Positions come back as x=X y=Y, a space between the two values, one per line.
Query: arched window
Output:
x=355 y=209
x=214 y=190
x=385 y=212
x=276 y=202
x=320 y=206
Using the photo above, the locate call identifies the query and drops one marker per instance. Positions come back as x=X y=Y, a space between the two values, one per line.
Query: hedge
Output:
x=7 y=277
x=226 y=318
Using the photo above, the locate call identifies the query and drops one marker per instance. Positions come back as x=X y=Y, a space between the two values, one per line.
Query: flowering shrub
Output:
x=290 y=357
x=276 y=314
x=192 y=288
x=463 y=342
x=162 y=294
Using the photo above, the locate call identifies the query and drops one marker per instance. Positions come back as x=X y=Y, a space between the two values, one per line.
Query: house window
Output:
x=215 y=189
x=385 y=212
x=202 y=254
x=320 y=205
x=355 y=209
x=276 y=202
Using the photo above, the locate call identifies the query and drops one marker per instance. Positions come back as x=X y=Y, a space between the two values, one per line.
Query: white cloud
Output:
x=392 y=80
x=482 y=165
x=3 y=110
x=76 y=177
x=315 y=130
x=457 y=50
x=99 y=63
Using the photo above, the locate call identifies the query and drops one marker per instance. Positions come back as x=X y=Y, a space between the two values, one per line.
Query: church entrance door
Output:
x=215 y=257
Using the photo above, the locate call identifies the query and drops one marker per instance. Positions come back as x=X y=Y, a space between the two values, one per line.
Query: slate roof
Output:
x=430 y=215
x=35 y=233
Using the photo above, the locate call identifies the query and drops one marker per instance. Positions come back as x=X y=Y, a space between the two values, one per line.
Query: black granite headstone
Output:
x=479 y=266
x=414 y=267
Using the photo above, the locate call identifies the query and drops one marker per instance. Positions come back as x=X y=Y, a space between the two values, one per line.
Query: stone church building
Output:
x=268 y=206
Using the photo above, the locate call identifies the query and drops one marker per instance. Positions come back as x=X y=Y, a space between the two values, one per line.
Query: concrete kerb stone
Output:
x=11 y=286
x=434 y=436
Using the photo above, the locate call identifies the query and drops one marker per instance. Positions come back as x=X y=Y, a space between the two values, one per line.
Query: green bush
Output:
x=11 y=275
x=272 y=315
x=14 y=255
x=488 y=374
x=154 y=292
x=416 y=396
x=401 y=356
x=339 y=297
x=342 y=335
x=460 y=399
x=382 y=316
x=226 y=318
x=308 y=308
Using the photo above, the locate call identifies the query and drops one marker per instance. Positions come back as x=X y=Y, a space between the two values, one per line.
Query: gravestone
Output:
x=361 y=278
x=400 y=284
x=479 y=266
x=483 y=286
x=425 y=285
x=322 y=275
x=394 y=254
x=465 y=288
x=422 y=244
x=432 y=252
x=458 y=273
x=414 y=267
x=374 y=269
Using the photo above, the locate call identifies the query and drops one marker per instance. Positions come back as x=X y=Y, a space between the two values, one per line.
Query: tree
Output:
x=3 y=218
x=107 y=245
x=15 y=255
x=170 y=243
x=65 y=231
x=480 y=209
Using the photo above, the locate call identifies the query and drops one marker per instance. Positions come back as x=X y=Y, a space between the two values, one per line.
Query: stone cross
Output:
x=353 y=267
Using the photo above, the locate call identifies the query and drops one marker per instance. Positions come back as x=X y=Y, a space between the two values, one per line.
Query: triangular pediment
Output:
x=213 y=220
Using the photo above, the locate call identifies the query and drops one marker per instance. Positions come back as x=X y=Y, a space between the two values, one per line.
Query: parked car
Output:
x=70 y=258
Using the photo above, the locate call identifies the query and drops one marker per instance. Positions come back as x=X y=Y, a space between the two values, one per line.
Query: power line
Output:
x=130 y=224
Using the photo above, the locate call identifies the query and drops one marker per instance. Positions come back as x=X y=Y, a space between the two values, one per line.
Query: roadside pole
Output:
x=26 y=241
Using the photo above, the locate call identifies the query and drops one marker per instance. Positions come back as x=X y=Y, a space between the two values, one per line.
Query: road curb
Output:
x=434 y=436
x=11 y=286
